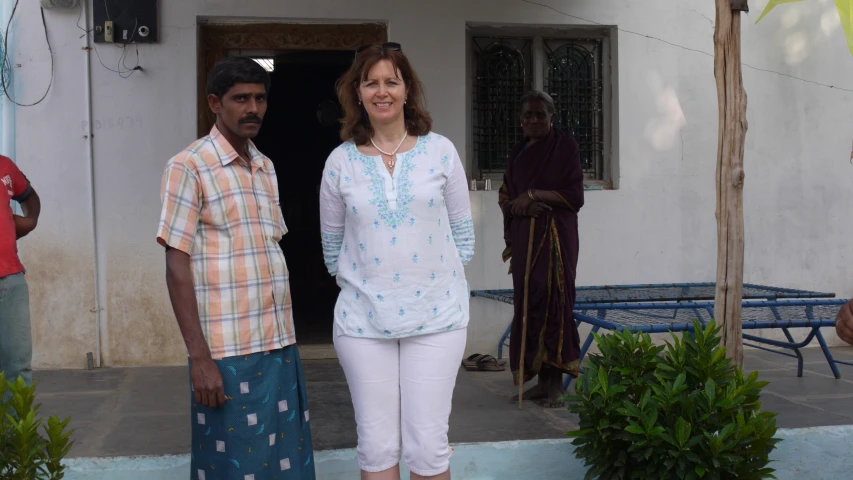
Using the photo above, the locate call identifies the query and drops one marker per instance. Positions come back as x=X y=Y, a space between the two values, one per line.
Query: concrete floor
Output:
x=145 y=411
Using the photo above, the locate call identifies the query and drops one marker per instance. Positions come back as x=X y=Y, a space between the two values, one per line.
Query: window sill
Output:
x=594 y=185
x=497 y=180
x=588 y=186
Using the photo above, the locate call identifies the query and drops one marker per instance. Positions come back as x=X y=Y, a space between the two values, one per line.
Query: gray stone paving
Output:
x=145 y=411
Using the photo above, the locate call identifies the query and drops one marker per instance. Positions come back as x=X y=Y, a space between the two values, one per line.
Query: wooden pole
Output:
x=527 y=268
x=730 y=175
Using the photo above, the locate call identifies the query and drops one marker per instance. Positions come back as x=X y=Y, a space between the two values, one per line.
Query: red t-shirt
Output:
x=15 y=187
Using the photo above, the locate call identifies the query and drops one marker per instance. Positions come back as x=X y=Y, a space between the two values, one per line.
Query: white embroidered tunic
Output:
x=397 y=244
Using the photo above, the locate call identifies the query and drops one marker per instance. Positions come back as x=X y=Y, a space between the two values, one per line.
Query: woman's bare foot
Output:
x=537 y=392
x=555 y=390
x=548 y=403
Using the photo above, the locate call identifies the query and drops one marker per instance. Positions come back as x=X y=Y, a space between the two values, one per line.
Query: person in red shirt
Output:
x=16 y=347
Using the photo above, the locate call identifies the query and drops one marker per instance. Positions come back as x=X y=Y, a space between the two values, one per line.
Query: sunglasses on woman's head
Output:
x=385 y=46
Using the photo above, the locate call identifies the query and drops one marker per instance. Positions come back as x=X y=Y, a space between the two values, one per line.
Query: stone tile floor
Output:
x=145 y=411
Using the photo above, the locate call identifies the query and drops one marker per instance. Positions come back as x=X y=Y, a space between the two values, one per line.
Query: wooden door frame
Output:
x=214 y=40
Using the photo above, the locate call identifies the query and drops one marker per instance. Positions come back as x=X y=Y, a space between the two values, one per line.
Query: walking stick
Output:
x=524 y=314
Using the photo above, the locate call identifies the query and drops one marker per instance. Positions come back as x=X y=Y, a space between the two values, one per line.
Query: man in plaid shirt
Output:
x=228 y=282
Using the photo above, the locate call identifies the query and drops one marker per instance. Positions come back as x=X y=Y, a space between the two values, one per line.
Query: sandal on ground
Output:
x=472 y=360
x=486 y=363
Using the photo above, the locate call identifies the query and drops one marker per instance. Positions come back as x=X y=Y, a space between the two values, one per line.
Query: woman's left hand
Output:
x=521 y=205
x=538 y=208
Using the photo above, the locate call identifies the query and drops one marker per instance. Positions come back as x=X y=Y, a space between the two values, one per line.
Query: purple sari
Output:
x=551 y=164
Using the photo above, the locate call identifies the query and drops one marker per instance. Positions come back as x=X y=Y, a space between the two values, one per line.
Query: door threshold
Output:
x=317 y=351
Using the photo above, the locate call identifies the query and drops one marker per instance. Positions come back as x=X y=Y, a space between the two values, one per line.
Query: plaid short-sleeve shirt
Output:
x=225 y=214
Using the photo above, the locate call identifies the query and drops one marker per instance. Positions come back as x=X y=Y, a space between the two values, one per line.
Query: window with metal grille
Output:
x=503 y=75
x=573 y=79
x=571 y=69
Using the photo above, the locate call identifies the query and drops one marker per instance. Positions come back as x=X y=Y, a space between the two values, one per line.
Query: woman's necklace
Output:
x=392 y=157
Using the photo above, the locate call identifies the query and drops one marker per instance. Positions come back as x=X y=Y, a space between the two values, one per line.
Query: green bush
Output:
x=24 y=453
x=680 y=411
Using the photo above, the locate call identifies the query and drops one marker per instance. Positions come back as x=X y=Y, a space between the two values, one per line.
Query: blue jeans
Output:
x=16 y=343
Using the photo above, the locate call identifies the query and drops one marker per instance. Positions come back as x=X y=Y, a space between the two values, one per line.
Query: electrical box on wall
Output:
x=124 y=21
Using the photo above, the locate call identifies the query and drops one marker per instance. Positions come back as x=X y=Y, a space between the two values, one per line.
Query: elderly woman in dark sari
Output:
x=543 y=184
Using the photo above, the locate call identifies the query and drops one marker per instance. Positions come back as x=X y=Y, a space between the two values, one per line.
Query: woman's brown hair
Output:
x=355 y=125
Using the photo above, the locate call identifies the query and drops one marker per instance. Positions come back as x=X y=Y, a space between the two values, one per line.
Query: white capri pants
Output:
x=401 y=392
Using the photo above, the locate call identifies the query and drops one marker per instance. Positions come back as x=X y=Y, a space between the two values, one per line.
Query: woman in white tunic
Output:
x=397 y=233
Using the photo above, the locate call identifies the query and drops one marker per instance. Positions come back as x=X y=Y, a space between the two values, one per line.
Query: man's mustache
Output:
x=251 y=119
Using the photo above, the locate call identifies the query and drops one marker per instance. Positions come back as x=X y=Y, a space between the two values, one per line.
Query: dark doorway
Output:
x=300 y=130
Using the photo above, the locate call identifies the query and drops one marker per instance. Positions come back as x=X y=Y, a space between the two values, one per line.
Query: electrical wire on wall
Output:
x=4 y=72
x=122 y=59
x=6 y=66
x=121 y=69
x=80 y=17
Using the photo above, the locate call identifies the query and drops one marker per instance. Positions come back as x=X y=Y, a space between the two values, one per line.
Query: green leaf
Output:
x=845 y=11
x=682 y=431
x=617 y=389
x=692 y=457
x=710 y=391
x=679 y=381
x=630 y=410
x=635 y=429
x=668 y=439
x=645 y=400
x=694 y=441
x=773 y=4
x=651 y=418
x=602 y=380
x=727 y=431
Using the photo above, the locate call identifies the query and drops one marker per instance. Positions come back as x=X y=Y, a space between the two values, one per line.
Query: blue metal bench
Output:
x=678 y=317
x=662 y=292
x=639 y=308
x=665 y=292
